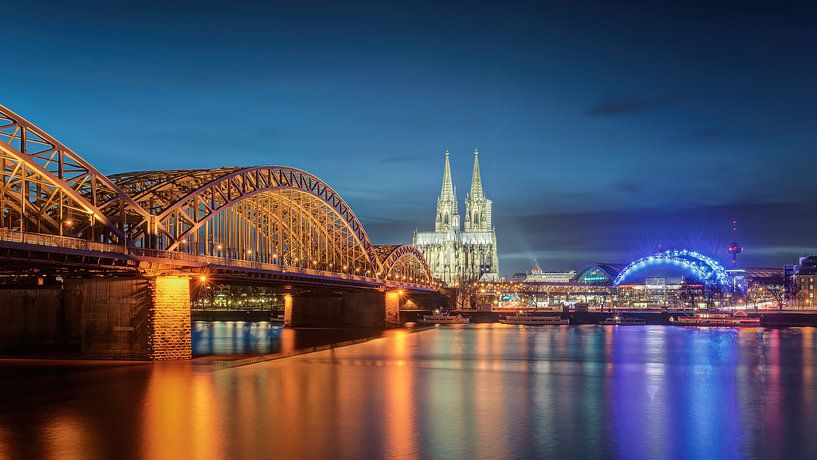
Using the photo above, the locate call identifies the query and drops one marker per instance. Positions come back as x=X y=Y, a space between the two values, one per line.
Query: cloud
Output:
x=624 y=107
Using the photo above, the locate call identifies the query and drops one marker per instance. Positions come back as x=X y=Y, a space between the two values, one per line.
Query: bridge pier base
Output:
x=132 y=318
x=169 y=335
x=373 y=309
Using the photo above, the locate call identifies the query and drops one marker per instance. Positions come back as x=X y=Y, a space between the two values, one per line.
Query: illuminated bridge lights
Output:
x=704 y=268
x=235 y=216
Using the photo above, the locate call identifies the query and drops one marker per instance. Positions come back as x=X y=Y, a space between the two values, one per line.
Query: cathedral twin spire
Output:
x=456 y=254
x=448 y=217
x=476 y=179
x=477 y=207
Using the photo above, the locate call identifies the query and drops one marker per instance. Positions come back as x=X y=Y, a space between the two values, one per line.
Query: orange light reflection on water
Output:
x=401 y=425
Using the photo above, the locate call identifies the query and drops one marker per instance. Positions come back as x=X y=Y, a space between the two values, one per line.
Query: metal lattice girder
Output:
x=273 y=214
x=182 y=201
x=290 y=227
x=155 y=191
x=403 y=263
x=48 y=188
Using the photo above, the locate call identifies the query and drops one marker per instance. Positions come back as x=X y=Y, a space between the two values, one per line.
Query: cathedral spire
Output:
x=447 y=214
x=448 y=185
x=477 y=207
x=476 y=179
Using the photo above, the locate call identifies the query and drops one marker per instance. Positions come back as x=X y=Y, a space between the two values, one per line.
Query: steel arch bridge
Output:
x=708 y=270
x=402 y=263
x=277 y=216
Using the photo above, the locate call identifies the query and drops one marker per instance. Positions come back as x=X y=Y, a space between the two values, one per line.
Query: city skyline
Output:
x=600 y=132
x=463 y=230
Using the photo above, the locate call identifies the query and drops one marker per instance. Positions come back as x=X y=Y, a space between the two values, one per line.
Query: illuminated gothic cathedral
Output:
x=456 y=255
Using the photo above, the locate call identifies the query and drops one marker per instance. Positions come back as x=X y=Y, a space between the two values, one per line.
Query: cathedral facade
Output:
x=461 y=254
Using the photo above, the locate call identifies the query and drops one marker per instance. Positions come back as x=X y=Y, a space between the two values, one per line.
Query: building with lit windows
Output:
x=673 y=279
x=457 y=254
x=537 y=275
x=803 y=282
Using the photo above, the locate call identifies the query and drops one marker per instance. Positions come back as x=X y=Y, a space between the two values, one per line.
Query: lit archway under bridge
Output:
x=704 y=268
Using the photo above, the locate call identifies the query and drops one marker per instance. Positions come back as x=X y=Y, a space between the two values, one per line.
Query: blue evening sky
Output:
x=602 y=126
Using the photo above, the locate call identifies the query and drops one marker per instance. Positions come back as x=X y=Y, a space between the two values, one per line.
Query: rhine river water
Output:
x=480 y=391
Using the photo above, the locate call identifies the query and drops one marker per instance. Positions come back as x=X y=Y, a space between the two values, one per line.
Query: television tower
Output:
x=734 y=248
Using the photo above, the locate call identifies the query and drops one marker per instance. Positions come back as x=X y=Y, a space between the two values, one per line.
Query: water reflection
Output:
x=243 y=338
x=479 y=391
x=235 y=337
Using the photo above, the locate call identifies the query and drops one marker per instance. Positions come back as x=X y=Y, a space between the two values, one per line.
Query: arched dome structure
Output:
x=703 y=268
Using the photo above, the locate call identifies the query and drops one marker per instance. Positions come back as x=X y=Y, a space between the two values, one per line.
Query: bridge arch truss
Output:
x=403 y=263
x=270 y=214
x=45 y=187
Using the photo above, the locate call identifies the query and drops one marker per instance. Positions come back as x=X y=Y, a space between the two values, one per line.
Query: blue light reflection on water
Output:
x=480 y=391
x=235 y=337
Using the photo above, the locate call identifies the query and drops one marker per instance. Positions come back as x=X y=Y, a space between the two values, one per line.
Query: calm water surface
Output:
x=484 y=391
x=242 y=338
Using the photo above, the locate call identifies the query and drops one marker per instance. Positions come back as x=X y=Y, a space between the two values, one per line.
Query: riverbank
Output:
x=655 y=317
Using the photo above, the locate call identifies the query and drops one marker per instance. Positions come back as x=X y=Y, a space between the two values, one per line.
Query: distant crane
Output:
x=734 y=248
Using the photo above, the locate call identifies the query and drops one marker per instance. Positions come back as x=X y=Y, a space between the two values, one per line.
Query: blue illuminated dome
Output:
x=700 y=267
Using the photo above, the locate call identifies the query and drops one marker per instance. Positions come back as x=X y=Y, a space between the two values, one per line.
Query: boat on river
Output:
x=619 y=320
x=530 y=320
x=717 y=319
x=443 y=318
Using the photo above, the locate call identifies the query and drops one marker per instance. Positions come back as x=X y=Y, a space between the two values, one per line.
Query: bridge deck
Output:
x=22 y=250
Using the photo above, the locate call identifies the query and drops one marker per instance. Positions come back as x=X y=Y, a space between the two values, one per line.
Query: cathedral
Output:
x=461 y=255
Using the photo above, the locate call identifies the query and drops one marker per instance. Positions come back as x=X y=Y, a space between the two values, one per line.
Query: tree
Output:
x=689 y=294
x=753 y=295
x=778 y=293
x=712 y=292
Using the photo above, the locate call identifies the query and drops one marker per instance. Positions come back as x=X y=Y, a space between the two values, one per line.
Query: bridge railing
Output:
x=219 y=261
x=84 y=245
x=57 y=241
x=210 y=260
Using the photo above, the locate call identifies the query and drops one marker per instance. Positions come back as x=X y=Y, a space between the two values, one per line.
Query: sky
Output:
x=603 y=128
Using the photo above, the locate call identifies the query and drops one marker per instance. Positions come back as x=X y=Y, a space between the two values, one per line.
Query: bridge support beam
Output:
x=373 y=309
x=393 y=299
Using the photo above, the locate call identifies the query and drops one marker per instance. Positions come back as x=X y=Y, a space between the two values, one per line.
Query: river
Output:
x=480 y=391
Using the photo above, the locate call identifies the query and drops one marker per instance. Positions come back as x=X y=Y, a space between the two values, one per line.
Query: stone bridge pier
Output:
x=370 y=308
x=132 y=317
x=149 y=317
x=137 y=318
